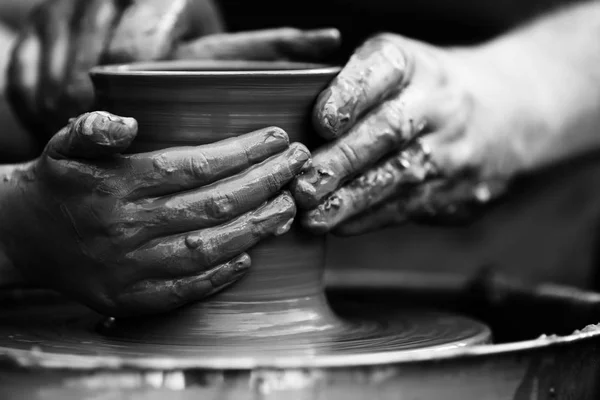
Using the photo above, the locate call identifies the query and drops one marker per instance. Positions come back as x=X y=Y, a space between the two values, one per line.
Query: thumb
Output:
x=93 y=135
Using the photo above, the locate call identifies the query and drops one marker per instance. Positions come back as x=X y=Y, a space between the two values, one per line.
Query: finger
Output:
x=264 y=45
x=93 y=27
x=24 y=79
x=53 y=21
x=435 y=202
x=159 y=296
x=378 y=69
x=385 y=129
x=149 y=29
x=388 y=214
x=173 y=170
x=225 y=199
x=190 y=253
x=93 y=135
x=409 y=167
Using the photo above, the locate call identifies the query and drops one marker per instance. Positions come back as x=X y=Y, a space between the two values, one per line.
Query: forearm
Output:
x=9 y=274
x=551 y=68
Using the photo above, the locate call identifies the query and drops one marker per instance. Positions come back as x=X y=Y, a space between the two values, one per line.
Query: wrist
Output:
x=517 y=109
x=548 y=104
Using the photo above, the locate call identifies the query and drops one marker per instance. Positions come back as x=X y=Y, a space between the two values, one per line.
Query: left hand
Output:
x=132 y=234
x=417 y=133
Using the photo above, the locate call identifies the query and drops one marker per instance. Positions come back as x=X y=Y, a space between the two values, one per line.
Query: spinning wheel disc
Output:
x=70 y=329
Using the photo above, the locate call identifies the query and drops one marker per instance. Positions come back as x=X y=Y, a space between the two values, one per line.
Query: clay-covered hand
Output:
x=415 y=132
x=143 y=233
x=48 y=72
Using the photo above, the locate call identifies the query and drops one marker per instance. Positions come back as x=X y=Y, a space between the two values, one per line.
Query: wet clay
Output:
x=209 y=332
x=280 y=304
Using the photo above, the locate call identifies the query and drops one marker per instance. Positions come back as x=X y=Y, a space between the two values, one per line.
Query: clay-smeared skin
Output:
x=373 y=173
x=423 y=133
x=48 y=73
x=148 y=232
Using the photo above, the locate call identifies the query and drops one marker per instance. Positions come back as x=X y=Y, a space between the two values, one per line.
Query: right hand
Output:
x=145 y=233
x=48 y=72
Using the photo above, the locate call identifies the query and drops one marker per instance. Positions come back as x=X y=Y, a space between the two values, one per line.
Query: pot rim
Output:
x=215 y=68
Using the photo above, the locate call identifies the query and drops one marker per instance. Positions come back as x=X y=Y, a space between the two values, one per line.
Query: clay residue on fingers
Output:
x=376 y=70
x=380 y=133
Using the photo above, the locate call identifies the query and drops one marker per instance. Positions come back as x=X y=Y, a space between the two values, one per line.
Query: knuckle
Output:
x=198 y=166
x=350 y=156
x=286 y=203
x=393 y=51
x=395 y=121
x=162 y=164
x=277 y=133
x=195 y=165
x=203 y=247
x=221 y=207
x=273 y=182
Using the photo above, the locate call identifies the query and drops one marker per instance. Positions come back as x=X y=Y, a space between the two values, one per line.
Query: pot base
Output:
x=70 y=329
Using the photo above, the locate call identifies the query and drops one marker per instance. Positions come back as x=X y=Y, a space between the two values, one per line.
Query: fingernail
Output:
x=276 y=135
x=330 y=120
x=278 y=214
x=326 y=216
x=287 y=213
x=313 y=185
x=314 y=222
x=284 y=228
x=106 y=128
x=304 y=190
x=300 y=155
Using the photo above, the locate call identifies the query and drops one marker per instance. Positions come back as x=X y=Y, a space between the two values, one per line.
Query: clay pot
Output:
x=187 y=103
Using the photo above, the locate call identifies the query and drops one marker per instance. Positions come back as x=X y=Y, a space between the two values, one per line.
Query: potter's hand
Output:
x=132 y=234
x=63 y=39
x=48 y=72
x=416 y=132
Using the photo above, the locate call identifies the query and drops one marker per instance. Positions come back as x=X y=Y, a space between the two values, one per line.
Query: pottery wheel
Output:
x=279 y=309
x=62 y=327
